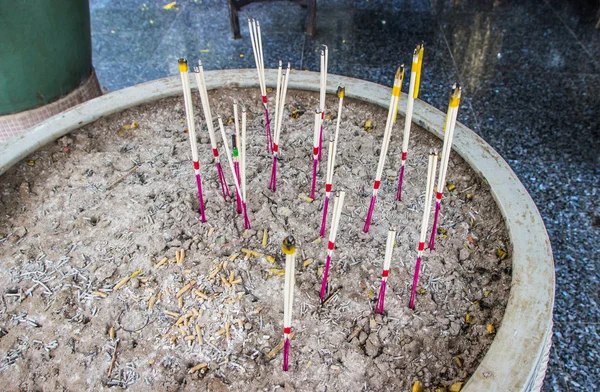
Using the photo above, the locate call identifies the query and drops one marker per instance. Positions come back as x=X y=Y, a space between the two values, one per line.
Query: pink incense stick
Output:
x=236 y=148
x=189 y=112
x=331 y=161
x=413 y=93
x=289 y=249
x=393 y=109
x=315 y=153
x=201 y=82
x=389 y=249
x=279 y=106
x=338 y=204
x=256 y=38
x=322 y=95
x=431 y=167
x=230 y=159
x=449 y=128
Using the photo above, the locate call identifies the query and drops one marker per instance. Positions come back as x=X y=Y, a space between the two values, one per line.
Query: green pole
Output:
x=45 y=51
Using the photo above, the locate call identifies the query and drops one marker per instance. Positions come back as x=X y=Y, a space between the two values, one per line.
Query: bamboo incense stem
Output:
x=201 y=82
x=389 y=249
x=256 y=38
x=189 y=111
x=393 y=109
x=236 y=148
x=289 y=249
x=331 y=161
x=229 y=156
x=431 y=167
x=338 y=204
x=322 y=95
x=243 y=169
x=315 y=153
x=279 y=106
x=413 y=93
x=449 y=128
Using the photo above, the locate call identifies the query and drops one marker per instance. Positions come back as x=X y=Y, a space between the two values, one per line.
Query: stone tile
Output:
x=579 y=349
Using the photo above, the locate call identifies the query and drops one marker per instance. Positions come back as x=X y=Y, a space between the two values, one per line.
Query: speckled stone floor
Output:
x=531 y=77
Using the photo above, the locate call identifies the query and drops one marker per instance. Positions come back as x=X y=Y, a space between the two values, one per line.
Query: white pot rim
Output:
x=517 y=358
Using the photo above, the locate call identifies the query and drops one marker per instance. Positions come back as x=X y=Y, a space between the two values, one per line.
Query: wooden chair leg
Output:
x=311 y=18
x=234 y=20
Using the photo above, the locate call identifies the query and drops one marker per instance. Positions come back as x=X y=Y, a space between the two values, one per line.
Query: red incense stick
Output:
x=315 y=153
x=201 y=82
x=413 y=93
x=289 y=249
x=392 y=111
x=189 y=112
x=279 y=105
x=431 y=167
x=338 y=203
x=449 y=127
x=322 y=95
x=236 y=164
x=242 y=178
x=389 y=249
x=256 y=38
x=331 y=161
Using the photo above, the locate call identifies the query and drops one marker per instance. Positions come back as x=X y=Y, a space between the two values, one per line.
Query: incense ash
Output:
x=110 y=274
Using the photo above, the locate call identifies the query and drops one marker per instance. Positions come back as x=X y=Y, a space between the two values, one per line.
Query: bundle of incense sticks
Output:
x=289 y=249
x=201 y=82
x=338 y=203
x=431 y=167
x=242 y=177
x=413 y=93
x=255 y=37
x=341 y=91
x=449 y=127
x=236 y=148
x=315 y=153
x=189 y=113
x=389 y=249
x=279 y=105
x=232 y=167
x=392 y=111
x=322 y=95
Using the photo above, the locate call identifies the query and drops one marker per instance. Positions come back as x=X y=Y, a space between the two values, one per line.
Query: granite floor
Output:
x=530 y=72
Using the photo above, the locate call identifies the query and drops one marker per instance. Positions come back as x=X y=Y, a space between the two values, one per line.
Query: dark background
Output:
x=530 y=72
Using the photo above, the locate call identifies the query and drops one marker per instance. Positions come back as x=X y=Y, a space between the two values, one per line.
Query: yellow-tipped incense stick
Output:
x=189 y=112
x=393 y=109
x=289 y=249
x=413 y=93
x=449 y=127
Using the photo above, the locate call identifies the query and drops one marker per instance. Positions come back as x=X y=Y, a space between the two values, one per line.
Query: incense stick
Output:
x=322 y=95
x=279 y=106
x=289 y=249
x=431 y=167
x=341 y=91
x=201 y=82
x=230 y=159
x=393 y=109
x=413 y=93
x=189 y=112
x=243 y=169
x=389 y=249
x=338 y=203
x=256 y=38
x=449 y=127
x=236 y=147
x=315 y=153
